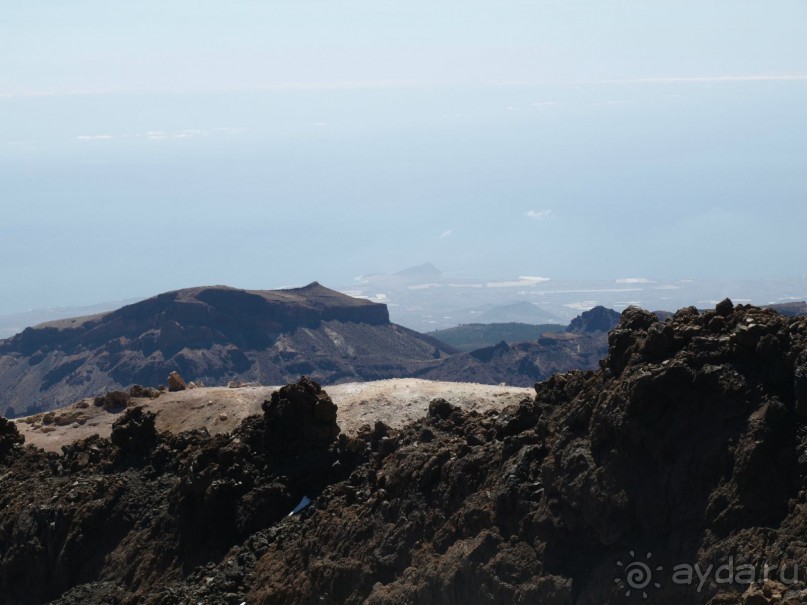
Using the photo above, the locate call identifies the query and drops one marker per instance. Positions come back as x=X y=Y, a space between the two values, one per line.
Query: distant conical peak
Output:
x=426 y=269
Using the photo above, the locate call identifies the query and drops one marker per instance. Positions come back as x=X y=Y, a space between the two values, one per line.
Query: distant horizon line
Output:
x=408 y=84
x=628 y=284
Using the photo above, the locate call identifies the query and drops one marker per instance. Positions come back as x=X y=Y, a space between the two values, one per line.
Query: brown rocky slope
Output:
x=212 y=335
x=687 y=447
x=580 y=347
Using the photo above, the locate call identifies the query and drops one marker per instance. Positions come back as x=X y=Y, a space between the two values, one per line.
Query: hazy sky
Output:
x=148 y=146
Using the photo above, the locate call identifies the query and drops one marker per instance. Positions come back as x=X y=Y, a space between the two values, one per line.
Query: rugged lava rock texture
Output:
x=210 y=335
x=684 y=451
x=131 y=519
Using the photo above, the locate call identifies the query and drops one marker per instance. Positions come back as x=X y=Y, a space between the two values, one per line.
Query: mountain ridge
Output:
x=213 y=334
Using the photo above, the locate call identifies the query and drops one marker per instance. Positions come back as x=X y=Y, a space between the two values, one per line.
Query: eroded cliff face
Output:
x=222 y=314
x=684 y=452
x=210 y=335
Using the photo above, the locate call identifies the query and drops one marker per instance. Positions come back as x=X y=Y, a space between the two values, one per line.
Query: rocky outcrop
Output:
x=113 y=401
x=9 y=437
x=300 y=418
x=137 y=390
x=682 y=456
x=175 y=383
x=126 y=519
x=674 y=473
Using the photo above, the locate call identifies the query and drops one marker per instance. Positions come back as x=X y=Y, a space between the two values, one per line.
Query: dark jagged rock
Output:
x=724 y=308
x=9 y=437
x=114 y=401
x=440 y=408
x=135 y=431
x=300 y=418
x=133 y=518
x=686 y=448
x=692 y=451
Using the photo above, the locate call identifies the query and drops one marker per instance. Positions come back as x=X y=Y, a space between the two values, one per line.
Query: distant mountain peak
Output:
x=598 y=319
x=211 y=334
x=424 y=270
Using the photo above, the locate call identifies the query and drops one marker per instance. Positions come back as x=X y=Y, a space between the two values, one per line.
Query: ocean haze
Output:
x=157 y=147
x=423 y=298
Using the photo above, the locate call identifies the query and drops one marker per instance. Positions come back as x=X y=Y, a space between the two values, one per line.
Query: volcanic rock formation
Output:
x=143 y=509
x=213 y=335
x=684 y=451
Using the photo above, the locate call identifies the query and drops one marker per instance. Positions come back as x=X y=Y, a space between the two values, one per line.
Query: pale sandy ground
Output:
x=220 y=409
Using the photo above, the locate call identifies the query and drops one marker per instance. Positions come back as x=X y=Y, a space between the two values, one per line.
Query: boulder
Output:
x=725 y=307
x=113 y=401
x=175 y=382
x=135 y=432
x=440 y=408
x=148 y=392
